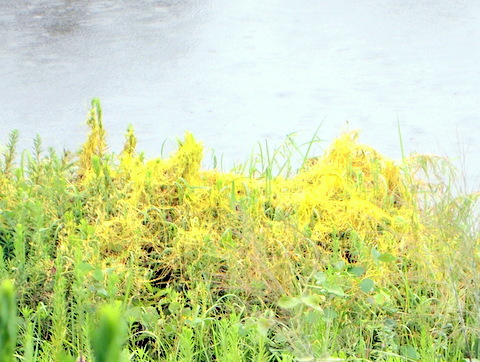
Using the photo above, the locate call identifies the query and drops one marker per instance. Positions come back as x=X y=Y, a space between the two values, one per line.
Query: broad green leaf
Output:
x=193 y=322
x=409 y=352
x=85 y=267
x=288 y=302
x=169 y=329
x=174 y=307
x=263 y=325
x=313 y=301
x=108 y=336
x=381 y=297
x=98 y=275
x=186 y=312
x=280 y=338
x=357 y=270
x=133 y=313
x=101 y=291
x=376 y=254
x=329 y=314
x=8 y=321
x=366 y=285
x=320 y=277
x=312 y=316
x=386 y=258
x=340 y=265
x=334 y=289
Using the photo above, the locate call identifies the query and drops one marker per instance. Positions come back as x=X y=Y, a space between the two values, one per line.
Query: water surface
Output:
x=236 y=72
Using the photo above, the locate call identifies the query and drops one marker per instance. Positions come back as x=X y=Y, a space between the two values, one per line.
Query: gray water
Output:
x=235 y=72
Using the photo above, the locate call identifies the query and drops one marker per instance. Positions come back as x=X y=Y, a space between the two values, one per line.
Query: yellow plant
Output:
x=227 y=224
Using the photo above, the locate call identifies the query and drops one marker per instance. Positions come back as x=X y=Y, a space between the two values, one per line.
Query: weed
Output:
x=346 y=255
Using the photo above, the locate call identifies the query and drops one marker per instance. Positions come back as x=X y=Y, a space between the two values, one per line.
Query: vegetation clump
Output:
x=352 y=257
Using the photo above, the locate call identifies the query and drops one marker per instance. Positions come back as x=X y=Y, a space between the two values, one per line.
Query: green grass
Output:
x=288 y=257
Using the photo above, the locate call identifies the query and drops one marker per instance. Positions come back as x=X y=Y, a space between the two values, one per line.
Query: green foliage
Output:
x=8 y=321
x=343 y=256
x=108 y=336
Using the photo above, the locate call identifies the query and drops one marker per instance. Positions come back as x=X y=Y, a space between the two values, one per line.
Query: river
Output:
x=235 y=72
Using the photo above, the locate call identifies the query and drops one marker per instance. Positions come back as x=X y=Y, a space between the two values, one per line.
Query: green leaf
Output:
x=381 y=297
x=186 y=312
x=386 y=258
x=96 y=164
x=366 y=285
x=109 y=271
x=280 y=338
x=108 y=336
x=85 y=267
x=409 y=352
x=169 y=330
x=320 y=277
x=8 y=321
x=329 y=315
x=174 y=307
x=312 y=316
x=133 y=314
x=101 y=291
x=339 y=266
x=288 y=302
x=193 y=322
x=357 y=271
x=263 y=325
x=313 y=301
x=98 y=275
x=376 y=254
x=334 y=289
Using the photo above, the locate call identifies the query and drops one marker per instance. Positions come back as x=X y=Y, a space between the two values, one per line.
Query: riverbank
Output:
x=351 y=257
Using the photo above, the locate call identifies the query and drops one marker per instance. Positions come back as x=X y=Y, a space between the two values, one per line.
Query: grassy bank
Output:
x=119 y=258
